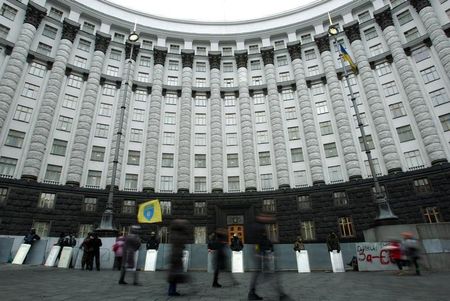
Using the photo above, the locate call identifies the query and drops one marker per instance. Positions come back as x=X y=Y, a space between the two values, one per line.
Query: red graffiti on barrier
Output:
x=383 y=255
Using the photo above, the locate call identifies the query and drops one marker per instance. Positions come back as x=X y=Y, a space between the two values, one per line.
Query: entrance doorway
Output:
x=236 y=229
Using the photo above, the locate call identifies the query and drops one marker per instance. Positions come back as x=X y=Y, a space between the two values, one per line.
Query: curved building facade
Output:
x=223 y=120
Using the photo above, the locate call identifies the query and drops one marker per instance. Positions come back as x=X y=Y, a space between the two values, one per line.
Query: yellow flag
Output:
x=149 y=212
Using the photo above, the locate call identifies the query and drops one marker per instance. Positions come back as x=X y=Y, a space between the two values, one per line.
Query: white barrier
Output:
x=66 y=258
x=336 y=262
x=303 y=261
x=150 y=260
x=52 y=256
x=21 y=254
x=185 y=259
x=237 y=262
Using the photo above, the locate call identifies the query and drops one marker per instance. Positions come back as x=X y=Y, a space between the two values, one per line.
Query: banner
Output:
x=149 y=212
x=372 y=257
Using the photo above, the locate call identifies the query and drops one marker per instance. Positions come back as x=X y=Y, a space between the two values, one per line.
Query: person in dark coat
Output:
x=153 y=242
x=88 y=252
x=299 y=245
x=179 y=232
x=333 y=242
x=61 y=243
x=70 y=241
x=219 y=260
x=131 y=245
x=31 y=237
x=236 y=243
x=96 y=244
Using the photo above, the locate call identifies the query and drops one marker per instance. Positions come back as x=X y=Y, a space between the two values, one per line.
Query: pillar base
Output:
x=29 y=178
x=73 y=183
x=250 y=189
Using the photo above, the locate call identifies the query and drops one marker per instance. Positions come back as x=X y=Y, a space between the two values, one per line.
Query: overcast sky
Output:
x=212 y=10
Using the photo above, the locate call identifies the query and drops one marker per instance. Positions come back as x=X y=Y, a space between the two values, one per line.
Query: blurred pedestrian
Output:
x=219 y=259
x=396 y=254
x=96 y=244
x=118 y=252
x=131 y=245
x=411 y=246
x=88 y=252
x=153 y=242
x=178 y=235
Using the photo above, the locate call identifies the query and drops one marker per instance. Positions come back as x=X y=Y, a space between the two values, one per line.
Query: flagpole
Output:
x=384 y=210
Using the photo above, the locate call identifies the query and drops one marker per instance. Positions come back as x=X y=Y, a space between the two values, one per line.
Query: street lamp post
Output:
x=106 y=227
x=384 y=210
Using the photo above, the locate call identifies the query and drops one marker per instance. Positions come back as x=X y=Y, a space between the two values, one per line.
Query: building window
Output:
x=200 y=235
x=255 y=65
x=321 y=107
x=310 y=54
x=172 y=80
x=49 y=31
x=15 y=138
x=30 y=90
x=293 y=133
x=7 y=167
x=411 y=34
x=118 y=37
x=143 y=77
x=445 y=122
x=80 y=61
x=304 y=202
x=340 y=198
x=227 y=51
x=46 y=201
x=228 y=67
x=432 y=215
x=439 y=97
x=94 y=178
x=98 y=153
x=200 y=161
x=138 y=115
x=230 y=100
x=146 y=44
x=284 y=76
x=166 y=185
x=383 y=69
x=109 y=90
x=228 y=82
x=169 y=138
x=330 y=150
x=414 y=160
x=370 y=33
x=167 y=160
x=230 y=119
x=74 y=81
x=297 y=154
x=145 y=61
x=306 y=38
x=200 y=66
x=279 y=44
x=231 y=139
x=101 y=130
x=430 y=74
x=140 y=95
x=257 y=80
x=308 y=230
x=282 y=60
x=264 y=158
x=262 y=137
x=420 y=54
x=405 y=133
x=131 y=181
x=313 y=70
x=422 y=185
x=55 y=13
x=84 y=45
x=300 y=179
x=286 y=95
x=272 y=232
x=8 y=12
x=169 y=118
x=90 y=204
x=269 y=206
x=376 y=49
x=369 y=141
x=64 y=124
x=201 y=50
x=404 y=17
x=133 y=157
x=37 y=69
x=136 y=135
x=364 y=16
x=3 y=195
x=253 y=48
x=326 y=128
x=23 y=113
x=397 y=110
x=85 y=229
x=390 y=88
x=59 y=147
x=200 y=82
x=335 y=174
x=233 y=184
x=44 y=49
x=346 y=227
x=376 y=166
x=266 y=182
x=200 y=119
x=199 y=184
x=232 y=160
x=42 y=228
x=163 y=235
x=173 y=65
x=200 y=208
x=317 y=89
x=115 y=55
x=129 y=207
x=260 y=117
x=258 y=98
x=166 y=207
x=174 y=48
x=171 y=98
x=88 y=27
x=200 y=139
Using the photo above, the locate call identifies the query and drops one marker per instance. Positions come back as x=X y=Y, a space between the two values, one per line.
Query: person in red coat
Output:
x=396 y=253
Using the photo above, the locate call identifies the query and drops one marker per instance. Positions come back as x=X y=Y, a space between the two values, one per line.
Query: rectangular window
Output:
x=335 y=174
x=147 y=44
x=376 y=166
x=260 y=117
x=8 y=12
x=115 y=55
x=376 y=49
x=174 y=48
x=330 y=150
x=269 y=206
x=169 y=118
x=364 y=16
x=397 y=110
x=304 y=202
x=262 y=137
x=313 y=70
x=46 y=200
x=284 y=76
x=430 y=74
x=310 y=54
x=15 y=138
x=383 y=68
x=53 y=173
x=232 y=160
x=414 y=160
x=199 y=184
x=118 y=37
x=101 y=130
x=306 y=38
x=340 y=198
x=143 y=77
x=84 y=45
x=255 y=65
x=272 y=232
x=59 y=147
x=74 y=81
x=98 y=153
x=369 y=141
x=105 y=109
x=317 y=89
x=293 y=133
x=228 y=82
x=230 y=100
x=325 y=128
x=404 y=17
x=133 y=157
x=128 y=207
x=230 y=119
x=136 y=135
x=199 y=235
x=300 y=179
x=131 y=181
x=23 y=113
x=279 y=44
x=420 y=54
x=200 y=161
x=80 y=61
x=264 y=158
x=231 y=139
x=445 y=122
x=7 y=167
x=42 y=228
x=163 y=234
x=49 y=31
x=200 y=208
x=258 y=98
x=233 y=184
x=297 y=154
x=290 y=113
x=227 y=51
x=90 y=204
x=167 y=160
x=44 y=49
x=201 y=50
x=55 y=14
x=145 y=61
x=109 y=90
x=321 y=107
x=138 y=115
x=140 y=95
x=3 y=195
x=200 y=82
x=166 y=185
x=266 y=182
x=286 y=94
x=308 y=230
x=257 y=80
x=88 y=27
x=174 y=65
x=432 y=215
x=171 y=98
x=30 y=90
x=172 y=81
x=37 y=69
x=370 y=33
x=411 y=34
x=439 y=97
x=200 y=101
x=253 y=48
x=405 y=133
x=282 y=60
x=422 y=185
x=228 y=67
x=200 y=139
x=169 y=138
x=200 y=119
x=390 y=89
x=346 y=227
x=200 y=66
x=94 y=178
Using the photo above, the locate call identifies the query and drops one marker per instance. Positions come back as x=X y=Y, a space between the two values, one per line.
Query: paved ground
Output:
x=43 y=283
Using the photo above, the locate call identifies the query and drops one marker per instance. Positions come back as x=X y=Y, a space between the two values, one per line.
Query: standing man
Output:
x=132 y=244
x=153 y=242
x=96 y=244
x=70 y=241
x=236 y=243
x=333 y=242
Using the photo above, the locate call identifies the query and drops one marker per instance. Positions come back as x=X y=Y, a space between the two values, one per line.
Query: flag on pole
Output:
x=348 y=59
x=149 y=212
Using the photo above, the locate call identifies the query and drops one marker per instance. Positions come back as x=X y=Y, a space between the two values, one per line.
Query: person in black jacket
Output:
x=153 y=242
x=236 y=243
x=96 y=244
x=220 y=257
x=179 y=233
x=333 y=242
x=31 y=237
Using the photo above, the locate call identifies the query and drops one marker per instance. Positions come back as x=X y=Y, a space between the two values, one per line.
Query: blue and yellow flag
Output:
x=149 y=212
x=348 y=59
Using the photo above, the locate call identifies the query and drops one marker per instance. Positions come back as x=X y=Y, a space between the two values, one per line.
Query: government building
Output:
x=220 y=121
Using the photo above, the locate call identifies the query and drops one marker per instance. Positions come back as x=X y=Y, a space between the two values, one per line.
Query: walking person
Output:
x=131 y=245
x=96 y=244
x=178 y=235
x=118 y=252
x=219 y=259
x=153 y=242
x=411 y=247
